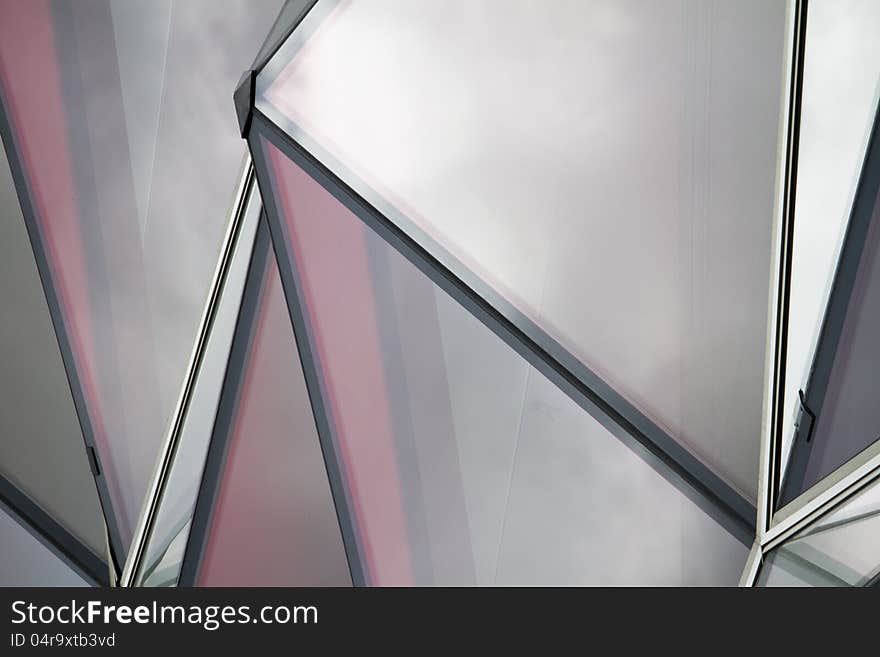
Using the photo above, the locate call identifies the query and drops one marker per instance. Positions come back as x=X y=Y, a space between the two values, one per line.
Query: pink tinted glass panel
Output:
x=36 y=109
x=335 y=266
x=274 y=523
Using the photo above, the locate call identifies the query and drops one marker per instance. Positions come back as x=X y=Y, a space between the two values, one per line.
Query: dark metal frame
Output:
x=786 y=252
x=846 y=273
x=53 y=535
x=585 y=387
x=28 y=210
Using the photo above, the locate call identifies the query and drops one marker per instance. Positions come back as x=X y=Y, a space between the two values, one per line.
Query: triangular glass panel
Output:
x=42 y=453
x=840 y=549
x=453 y=460
x=602 y=172
x=830 y=412
x=117 y=115
x=265 y=492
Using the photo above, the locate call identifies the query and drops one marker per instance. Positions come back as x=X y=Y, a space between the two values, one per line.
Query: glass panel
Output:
x=863 y=505
x=460 y=463
x=273 y=521
x=842 y=69
x=785 y=569
x=165 y=544
x=849 y=419
x=41 y=446
x=27 y=562
x=840 y=549
x=125 y=132
x=607 y=167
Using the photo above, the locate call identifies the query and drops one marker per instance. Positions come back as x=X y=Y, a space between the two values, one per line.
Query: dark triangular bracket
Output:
x=245 y=93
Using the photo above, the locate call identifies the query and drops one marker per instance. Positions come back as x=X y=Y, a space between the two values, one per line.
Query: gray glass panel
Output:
x=849 y=420
x=840 y=549
x=27 y=562
x=840 y=415
x=607 y=167
x=41 y=446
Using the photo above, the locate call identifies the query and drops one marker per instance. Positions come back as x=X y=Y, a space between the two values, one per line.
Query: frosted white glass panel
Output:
x=608 y=167
x=42 y=451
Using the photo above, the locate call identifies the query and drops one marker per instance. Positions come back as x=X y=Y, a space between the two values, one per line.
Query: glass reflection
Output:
x=41 y=445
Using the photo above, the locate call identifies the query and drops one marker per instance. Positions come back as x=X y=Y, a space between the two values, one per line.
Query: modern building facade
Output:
x=480 y=293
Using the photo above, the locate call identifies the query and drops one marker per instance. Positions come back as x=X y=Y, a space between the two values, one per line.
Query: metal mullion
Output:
x=813 y=530
x=774 y=380
x=152 y=502
x=526 y=338
x=753 y=565
x=59 y=540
